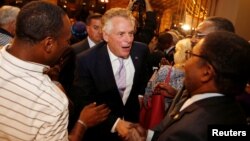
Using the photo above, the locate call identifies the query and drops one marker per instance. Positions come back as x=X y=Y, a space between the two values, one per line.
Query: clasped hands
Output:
x=130 y=131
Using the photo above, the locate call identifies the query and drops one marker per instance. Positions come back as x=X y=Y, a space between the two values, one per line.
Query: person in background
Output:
x=32 y=106
x=209 y=25
x=153 y=43
x=244 y=100
x=94 y=31
x=165 y=41
x=176 y=75
x=112 y=72
x=8 y=16
x=145 y=27
x=78 y=31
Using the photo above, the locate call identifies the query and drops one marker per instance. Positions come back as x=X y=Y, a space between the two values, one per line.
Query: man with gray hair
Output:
x=8 y=16
x=114 y=76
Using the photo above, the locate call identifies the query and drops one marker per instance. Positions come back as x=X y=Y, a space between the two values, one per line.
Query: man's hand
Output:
x=92 y=115
x=123 y=128
x=164 y=61
x=136 y=133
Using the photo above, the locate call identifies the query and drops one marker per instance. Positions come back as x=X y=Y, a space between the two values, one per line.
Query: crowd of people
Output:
x=93 y=89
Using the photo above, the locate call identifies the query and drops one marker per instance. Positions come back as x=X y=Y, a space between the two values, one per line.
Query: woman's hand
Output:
x=166 y=89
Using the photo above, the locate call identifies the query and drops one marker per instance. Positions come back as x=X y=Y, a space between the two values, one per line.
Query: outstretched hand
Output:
x=92 y=114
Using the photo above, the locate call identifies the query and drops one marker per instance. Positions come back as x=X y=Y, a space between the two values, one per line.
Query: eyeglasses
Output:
x=189 y=54
x=199 y=35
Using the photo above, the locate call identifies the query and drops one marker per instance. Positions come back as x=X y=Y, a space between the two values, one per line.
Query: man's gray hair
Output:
x=8 y=14
x=116 y=12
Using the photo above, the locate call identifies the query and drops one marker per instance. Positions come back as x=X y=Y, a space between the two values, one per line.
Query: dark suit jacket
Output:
x=67 y=63
x=80 y=46
x=191 y=124
x=95 y=81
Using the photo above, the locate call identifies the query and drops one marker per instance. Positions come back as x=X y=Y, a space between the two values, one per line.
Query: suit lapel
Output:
x=175 y=118
x=105 y=66
x=105 y=71
x=136 y=61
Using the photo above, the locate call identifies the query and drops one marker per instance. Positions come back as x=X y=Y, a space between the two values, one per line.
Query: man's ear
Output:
x=105 y=36
x=207 y=73
x=48 y=44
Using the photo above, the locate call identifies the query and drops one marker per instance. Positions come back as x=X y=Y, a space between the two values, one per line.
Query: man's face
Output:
x=202 y=30
x=94 y=30
x=62 y=42
x=120 y=37
x=193 y=69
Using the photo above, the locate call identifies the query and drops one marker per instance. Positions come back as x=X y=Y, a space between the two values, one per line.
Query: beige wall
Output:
x=238 y=11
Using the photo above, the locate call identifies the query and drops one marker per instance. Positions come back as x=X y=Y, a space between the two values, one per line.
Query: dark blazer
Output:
x=95 y=81
x=80 y=46
x=67 y=63
x=191 y=124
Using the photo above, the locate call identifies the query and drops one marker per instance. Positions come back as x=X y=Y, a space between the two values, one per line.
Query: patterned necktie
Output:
x=120 y=77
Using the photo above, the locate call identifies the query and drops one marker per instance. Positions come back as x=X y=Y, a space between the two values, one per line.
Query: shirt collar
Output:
x=5 y=32
x=199 y=97
x=91 y=43
x=169 y=49
x=21 y=64
x=111 y=55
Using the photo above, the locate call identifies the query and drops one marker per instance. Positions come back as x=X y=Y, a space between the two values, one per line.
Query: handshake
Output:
x=132 y=132
x=136 y=133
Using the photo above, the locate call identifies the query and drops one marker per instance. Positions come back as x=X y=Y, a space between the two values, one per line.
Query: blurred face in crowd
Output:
x=202 y=30
x=94 y=29
x=120 y=36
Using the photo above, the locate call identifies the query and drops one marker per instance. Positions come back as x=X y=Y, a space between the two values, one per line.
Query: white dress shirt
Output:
x=91 y=43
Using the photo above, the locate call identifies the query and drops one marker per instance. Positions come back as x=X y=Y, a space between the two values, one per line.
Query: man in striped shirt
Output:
x=32 y=107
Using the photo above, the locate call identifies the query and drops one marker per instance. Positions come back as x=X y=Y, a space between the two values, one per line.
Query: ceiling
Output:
x=161 y=5
x=158 y=5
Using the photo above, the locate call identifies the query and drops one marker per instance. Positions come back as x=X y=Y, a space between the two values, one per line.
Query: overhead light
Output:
x=186 y=27
x=104 y=1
